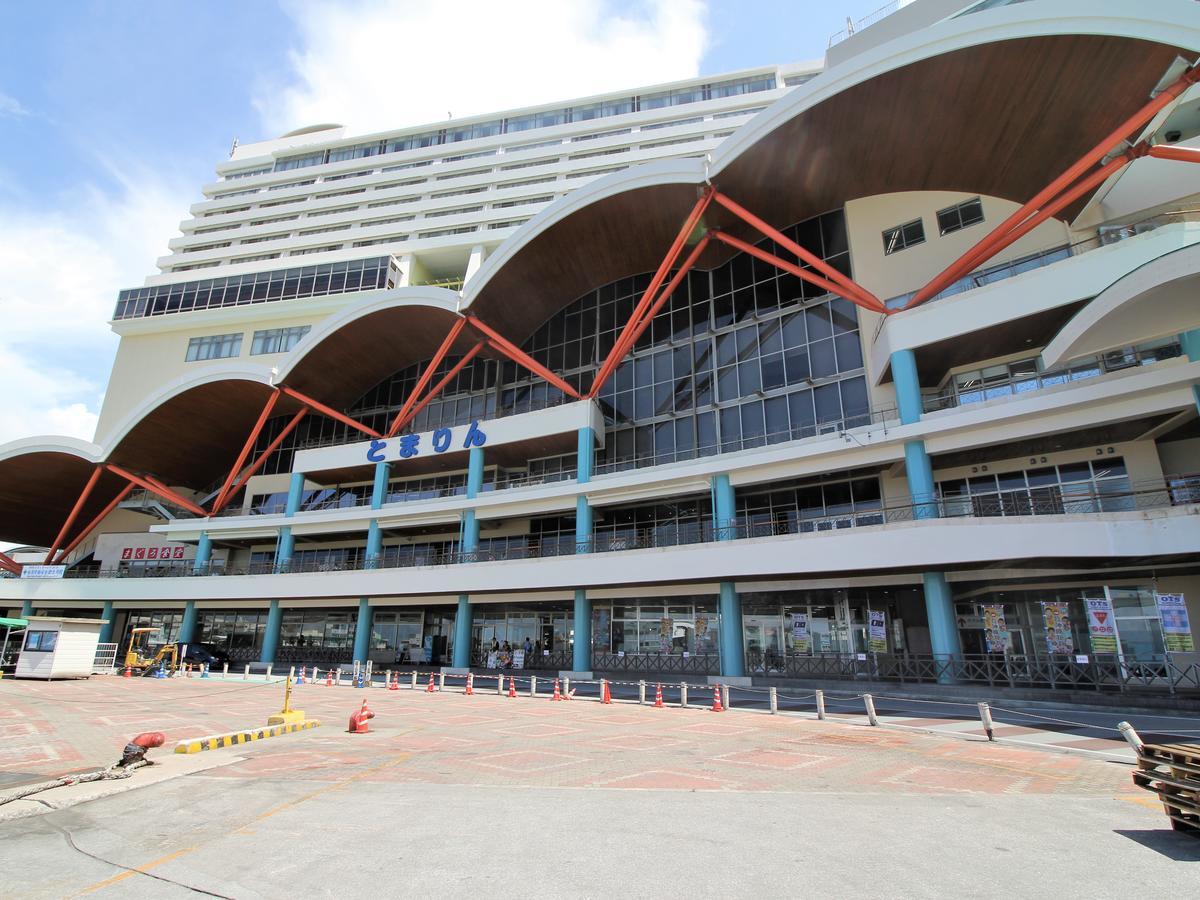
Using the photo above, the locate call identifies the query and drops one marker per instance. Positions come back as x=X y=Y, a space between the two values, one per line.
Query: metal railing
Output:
x=658 y=663
x=855 y=25
x=1085 y=499
x=1093 y=672
x=552 y=660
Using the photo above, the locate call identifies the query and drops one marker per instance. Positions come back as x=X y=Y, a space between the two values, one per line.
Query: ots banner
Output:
x=1058 y=628
x=801 y=639
x=1177 y=630
x=995 y=629
x=877 y=631
x=1102 y=625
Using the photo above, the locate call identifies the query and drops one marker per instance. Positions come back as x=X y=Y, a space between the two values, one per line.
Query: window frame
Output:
x=956 y=210
x=897 y=234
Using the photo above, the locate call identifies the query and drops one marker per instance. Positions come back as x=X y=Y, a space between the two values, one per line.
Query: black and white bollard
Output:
x=985 y=716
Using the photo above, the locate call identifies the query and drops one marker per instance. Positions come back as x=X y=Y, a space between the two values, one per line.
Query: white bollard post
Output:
x=1131 y=736
x=387 y=678
x=500 y=685
x=566 y=687
x=532 y=685
x=683 y=695
x=246 y=674
x=225 y=671
x=270 y=667
x=985 y=716
x=641 y=693
x=820 y=698
x=725 y=696
x=291 y=674
x=337 y=677
x=774 y=702
x=414 y=679
x=869 y=703
x=441 y=681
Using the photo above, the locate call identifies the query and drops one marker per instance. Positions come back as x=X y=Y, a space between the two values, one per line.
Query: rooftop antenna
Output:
x=233 y=148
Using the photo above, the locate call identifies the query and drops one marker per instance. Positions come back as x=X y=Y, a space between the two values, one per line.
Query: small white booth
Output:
x=59 y=648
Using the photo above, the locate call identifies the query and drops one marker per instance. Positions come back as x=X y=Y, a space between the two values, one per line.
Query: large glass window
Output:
x=277 y=340
x=1089 y=486
x=960 y=216
x=903 y=236
x=214 y=346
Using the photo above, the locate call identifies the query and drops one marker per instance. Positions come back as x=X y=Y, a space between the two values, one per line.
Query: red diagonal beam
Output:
x=87 y=490
x=635 y=319
x=990 y=245
x=246 y=448
x=660 y=301
x=90 y=527
x=262 y=458
x=849 y=287
x=159 y=489
x=435 y=390
x=520 y=357
x=403 y=417
x=791 y=268
x=317 y=406
x=8 y=564
x=1181 y=154
x=1085 y=186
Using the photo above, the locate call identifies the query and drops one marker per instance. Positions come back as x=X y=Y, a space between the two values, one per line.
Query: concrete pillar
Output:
x=374 y=532
x=286 y=543
x=939 y=606
x=187 y=628
x=271 y=632
x=581 y=658
x=733 y=657
x=724 y=507
x=203 y=554
x=584 y=461
x=106 y=630
x=474 y=263
x=26 y=609
x=362 y=631
x=470 y=522
x=462 y=633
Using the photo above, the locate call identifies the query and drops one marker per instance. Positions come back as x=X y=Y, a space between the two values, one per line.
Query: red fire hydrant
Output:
x=358 y=720
x=135 y=750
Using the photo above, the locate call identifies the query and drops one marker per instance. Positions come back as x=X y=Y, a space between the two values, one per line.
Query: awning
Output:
x=13 y=623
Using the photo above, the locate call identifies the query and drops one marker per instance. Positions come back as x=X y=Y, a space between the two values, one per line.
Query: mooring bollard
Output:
x=246 y=674
x=774 y=702
x=820 y=698
x=683 y=695
x=1131 y=736
x=642 y=693
x=414 y=679
x=869 y=703
x=532 y=685
x=725 y=696
x=985 y=716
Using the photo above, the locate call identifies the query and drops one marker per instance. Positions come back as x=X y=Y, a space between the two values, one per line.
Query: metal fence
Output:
x=105 y=659
x=658 y=663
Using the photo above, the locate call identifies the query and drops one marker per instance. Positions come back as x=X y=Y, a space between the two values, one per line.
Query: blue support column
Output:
x=581 y=655
x=26 y=609
x=203 y=554
x=1189 y=341
x=462 y=633
x=374 y=532
x=106 y=630
x=939 y=606
x=584 y=460
x=470 y=521
x=287 y=543
x=733 y=657
x=362 y=631
x=187 y=628
x=271 y=633
x=724 y=506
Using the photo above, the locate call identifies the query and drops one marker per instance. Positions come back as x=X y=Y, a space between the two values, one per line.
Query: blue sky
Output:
x=113 y=113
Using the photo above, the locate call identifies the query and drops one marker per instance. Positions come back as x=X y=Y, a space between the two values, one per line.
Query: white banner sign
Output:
x=43 y=571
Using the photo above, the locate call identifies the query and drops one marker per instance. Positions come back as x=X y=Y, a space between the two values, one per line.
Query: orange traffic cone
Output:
x=394 y=684
x=430 y=689
x=329 y=678
x=358 y=720
x=658 y=704
x=512 y=686
x=557 y=694
x=128 y=673
x=470 y=691
x=717 y=707
x=606 y=694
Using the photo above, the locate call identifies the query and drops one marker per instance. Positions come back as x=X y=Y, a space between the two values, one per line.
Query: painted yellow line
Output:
x=108 y=882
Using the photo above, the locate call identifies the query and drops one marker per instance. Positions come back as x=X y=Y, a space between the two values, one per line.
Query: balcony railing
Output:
x=1079 y=499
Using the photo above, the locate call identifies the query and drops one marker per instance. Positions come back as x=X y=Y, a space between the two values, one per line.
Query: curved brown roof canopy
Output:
x=352 y=360
x=1000 y=119
x=38 y=489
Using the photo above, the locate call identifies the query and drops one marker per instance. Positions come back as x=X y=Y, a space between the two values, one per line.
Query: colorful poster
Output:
x=995 y=629
x=1058 y=628
x=801 y=638
x=664 y=634
x=877 y=631
x=1177 y=630
x=701 y=628
x=1102 y=625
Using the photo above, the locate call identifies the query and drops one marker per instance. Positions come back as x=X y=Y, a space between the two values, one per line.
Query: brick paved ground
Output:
x=447 y=738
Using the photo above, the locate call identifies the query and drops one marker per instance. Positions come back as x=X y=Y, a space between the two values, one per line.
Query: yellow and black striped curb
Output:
x=217 y=741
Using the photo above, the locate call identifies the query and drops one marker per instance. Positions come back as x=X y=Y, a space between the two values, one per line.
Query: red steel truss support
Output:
x=1180 y=154
x=246 y=448
x=792 y=269
x=9 y=565
x=689 y=225
x=90 y=527
x=400 y=423
x=520 y=357
x=159 y=489
x=631 y=338
x=1085 y=186
x=324 y=410
x=87 y=490
x=850 y=288
x=262 y=458
x=403 y=416
x=995 y=241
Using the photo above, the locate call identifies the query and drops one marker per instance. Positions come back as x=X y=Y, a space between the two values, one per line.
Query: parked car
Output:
x=204 y=654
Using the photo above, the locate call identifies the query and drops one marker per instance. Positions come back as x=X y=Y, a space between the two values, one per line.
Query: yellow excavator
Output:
x=138 y=658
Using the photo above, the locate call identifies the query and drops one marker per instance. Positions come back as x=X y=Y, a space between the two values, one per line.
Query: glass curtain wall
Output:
x=237 y=635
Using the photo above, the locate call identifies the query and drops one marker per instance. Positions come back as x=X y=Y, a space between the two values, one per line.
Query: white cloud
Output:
x=60 y=271
x=378 y=64
x=11 y=106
